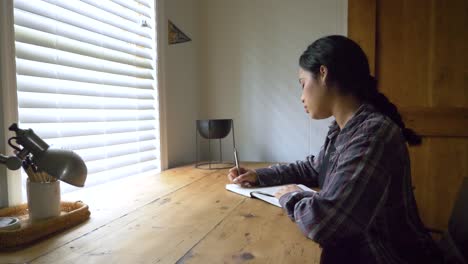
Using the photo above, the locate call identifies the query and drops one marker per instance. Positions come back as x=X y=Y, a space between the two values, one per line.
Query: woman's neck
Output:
x=344 y=108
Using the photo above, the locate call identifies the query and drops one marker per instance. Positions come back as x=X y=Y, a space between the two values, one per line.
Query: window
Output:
x=86 y=80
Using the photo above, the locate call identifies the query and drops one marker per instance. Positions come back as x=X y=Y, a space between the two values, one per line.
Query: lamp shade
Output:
x=65 y=165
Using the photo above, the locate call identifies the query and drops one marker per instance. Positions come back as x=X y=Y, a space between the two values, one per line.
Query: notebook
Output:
x=262 y=193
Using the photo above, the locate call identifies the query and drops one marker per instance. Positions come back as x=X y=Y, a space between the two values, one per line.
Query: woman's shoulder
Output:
x=379 y=126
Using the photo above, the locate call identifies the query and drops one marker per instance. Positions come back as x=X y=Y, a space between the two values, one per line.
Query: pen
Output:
x=237 y=162
x=266 y=194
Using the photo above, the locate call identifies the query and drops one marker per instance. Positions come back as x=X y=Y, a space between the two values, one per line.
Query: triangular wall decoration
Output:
x=176 y=35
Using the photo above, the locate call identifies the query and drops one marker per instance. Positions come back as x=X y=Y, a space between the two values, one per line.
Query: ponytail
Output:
x=381 y=102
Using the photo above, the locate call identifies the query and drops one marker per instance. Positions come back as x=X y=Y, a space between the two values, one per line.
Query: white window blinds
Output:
x=86 y=81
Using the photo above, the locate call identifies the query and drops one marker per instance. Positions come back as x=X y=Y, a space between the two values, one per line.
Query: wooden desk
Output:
x=183 y=215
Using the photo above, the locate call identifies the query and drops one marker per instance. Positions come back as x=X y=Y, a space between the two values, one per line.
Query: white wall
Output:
x=3 y=170
x=181 y=80
x=249 y=63
x=242 y=63
x=10 y=181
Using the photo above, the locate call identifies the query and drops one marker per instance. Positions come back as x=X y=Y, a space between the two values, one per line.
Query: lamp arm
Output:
x=30 y=141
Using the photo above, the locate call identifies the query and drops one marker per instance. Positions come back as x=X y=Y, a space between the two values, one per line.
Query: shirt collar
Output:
x=334 y=130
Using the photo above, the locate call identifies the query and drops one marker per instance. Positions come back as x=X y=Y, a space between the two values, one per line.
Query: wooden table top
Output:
x=182 y=215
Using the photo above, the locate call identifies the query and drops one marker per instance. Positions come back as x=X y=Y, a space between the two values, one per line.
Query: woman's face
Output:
x=315 y=95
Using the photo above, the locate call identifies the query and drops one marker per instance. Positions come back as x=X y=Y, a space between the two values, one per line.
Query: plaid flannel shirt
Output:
x=366 y=199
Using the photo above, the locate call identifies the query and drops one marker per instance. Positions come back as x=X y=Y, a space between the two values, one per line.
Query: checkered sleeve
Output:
x=359 y=187
x=299 y=172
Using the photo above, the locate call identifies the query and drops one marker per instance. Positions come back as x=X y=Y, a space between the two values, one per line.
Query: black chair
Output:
x=454 y=242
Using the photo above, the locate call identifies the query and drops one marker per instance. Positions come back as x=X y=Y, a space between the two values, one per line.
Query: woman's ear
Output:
x=323 y=73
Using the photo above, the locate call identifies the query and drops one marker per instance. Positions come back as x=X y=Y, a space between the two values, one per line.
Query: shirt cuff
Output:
x=289 y=200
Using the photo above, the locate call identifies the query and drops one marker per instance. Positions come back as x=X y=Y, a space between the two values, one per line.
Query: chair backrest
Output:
x=458 y=223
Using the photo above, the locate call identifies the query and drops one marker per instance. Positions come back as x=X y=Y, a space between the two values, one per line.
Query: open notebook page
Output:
x=253 y=192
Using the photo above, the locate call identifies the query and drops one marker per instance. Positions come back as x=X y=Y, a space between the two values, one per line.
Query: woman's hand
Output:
x=247 y=178
x=287 y=189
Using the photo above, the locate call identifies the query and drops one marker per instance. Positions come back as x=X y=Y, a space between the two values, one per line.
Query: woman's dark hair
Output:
x=348 y=70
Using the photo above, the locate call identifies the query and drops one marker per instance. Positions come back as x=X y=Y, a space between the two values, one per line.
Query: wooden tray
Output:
x=72 y=214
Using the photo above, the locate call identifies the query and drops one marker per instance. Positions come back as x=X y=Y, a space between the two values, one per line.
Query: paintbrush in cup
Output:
x=31 y=175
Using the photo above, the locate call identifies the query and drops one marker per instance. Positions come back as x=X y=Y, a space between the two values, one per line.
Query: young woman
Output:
x=365 y=211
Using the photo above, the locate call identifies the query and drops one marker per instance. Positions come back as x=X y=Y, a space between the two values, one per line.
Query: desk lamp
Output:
x=64 y=165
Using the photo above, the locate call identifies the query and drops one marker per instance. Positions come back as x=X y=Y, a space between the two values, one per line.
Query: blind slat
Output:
x=65 y=16
x=86 y=82
x=141 y=9
x=120 y=161
x=105 y=152
x=47 y=70
x=102 y=16
x=39 y=23
x=95 y=141
x=117 y=173
x=144 y=2
x=39 y=115
x=47 y=85
x=43 y=39
x=65 y=101
x=48 y=55
x=80 y=135
x=118 y=10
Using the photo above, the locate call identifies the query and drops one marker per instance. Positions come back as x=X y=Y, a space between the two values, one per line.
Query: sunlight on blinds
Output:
x=86 y=75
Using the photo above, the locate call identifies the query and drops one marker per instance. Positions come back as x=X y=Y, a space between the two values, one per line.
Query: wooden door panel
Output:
x=420 y=52
x=449 y=53
x=361 y=26
x=438 y=168
x=402 y=61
